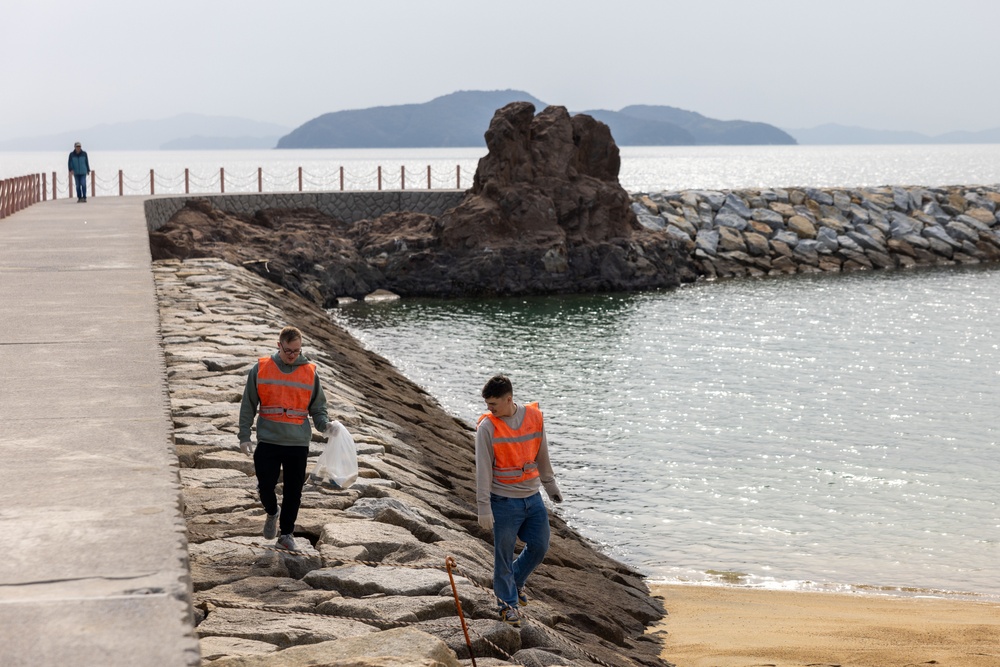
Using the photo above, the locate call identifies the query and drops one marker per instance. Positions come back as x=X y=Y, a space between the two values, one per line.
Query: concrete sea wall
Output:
x=737 y=233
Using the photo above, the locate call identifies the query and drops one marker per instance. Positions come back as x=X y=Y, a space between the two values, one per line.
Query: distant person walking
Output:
x=283 y=390
x=79 y=167
x=512 y=463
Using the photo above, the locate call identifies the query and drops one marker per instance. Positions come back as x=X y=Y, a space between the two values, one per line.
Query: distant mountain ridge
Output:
x=834 y=134
x=461 y=119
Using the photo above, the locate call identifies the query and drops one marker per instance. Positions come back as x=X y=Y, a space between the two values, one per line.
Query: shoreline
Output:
x=724 y=626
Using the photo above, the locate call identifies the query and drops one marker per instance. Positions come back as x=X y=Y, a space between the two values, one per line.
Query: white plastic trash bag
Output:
x=338 y=464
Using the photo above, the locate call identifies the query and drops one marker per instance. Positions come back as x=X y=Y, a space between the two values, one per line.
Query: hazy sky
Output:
x=924 y=65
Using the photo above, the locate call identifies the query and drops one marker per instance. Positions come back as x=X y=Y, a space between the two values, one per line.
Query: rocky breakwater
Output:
x=370 y=586
x=782 y=231
x=546 y=214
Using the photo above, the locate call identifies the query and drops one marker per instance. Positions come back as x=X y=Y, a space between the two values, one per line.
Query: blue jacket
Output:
x=78 y=163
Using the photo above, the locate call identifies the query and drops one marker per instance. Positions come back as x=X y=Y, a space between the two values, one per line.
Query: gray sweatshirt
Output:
x=485 y=484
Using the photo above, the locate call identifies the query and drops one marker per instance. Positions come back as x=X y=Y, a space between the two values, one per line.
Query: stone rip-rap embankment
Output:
x=370 y=587
x=779 y=231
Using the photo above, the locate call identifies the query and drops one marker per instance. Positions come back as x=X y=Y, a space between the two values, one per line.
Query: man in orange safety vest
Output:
x=283 y=391
x=512 y=463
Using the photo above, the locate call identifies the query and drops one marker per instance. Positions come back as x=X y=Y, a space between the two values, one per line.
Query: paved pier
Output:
x=95 y=560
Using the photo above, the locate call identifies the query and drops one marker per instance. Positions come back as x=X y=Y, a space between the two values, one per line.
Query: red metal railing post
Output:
x=380 y=178
x=152 y=180
x=260 y=179
x=341 y=179
x=187 y=188
x=222 y=180
x=121 y=183
x=300 y=179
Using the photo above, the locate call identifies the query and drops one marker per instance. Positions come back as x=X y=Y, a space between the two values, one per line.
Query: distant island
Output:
x=458 y=119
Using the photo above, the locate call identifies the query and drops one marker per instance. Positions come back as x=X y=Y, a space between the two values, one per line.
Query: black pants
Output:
x=268 y=461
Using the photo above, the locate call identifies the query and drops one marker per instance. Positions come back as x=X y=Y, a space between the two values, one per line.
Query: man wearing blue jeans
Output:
x=79 y=167
x=512 y=463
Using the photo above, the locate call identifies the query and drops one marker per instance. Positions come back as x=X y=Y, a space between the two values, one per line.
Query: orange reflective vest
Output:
x=284 y=397
x=515 y=451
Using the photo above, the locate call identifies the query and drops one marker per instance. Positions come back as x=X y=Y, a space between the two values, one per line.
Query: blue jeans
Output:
x=513 y=518
x=81 y=185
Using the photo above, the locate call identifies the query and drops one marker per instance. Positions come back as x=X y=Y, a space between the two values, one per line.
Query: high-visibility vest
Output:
x=515 y=451
x=284 y=397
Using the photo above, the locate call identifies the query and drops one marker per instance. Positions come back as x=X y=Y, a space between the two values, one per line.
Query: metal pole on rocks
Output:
x=341 y=179
x=380 y=178
x=428 y=177
x=260 y=179
x=458 y=177
x=300 y=179
x=152 y=181
x=186 y=188
x=402 y=177
x=222 y=180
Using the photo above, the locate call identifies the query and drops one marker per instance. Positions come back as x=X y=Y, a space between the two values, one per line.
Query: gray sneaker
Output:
x=286 y=542
x=271 y=525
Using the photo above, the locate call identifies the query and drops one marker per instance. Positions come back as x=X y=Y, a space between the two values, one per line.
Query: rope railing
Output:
x=403 y=177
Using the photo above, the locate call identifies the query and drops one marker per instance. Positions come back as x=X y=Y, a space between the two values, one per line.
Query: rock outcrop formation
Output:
x=783 y=231
x=369 y=587
x=546 y=214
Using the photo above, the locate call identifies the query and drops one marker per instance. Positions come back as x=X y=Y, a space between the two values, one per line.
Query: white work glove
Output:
x=246 y=447
x=552 y=490
x=486 y=521
x=332 y=429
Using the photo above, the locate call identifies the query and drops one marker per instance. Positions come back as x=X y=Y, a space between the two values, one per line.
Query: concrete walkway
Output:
x=95 y=565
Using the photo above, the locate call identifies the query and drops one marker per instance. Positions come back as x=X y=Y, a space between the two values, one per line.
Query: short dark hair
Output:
x=497 y=386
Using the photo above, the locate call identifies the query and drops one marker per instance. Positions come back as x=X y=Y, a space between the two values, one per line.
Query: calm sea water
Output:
x=813 y=432
x=643 y=168
x=805 y=432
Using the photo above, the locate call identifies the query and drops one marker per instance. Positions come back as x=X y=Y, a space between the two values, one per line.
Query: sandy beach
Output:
x=712 y=626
